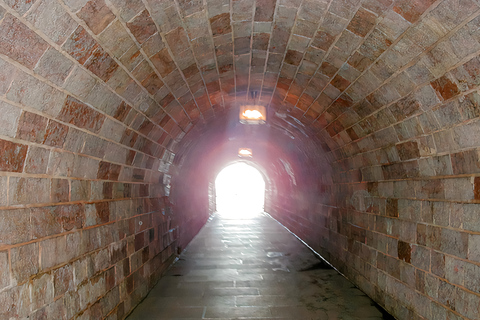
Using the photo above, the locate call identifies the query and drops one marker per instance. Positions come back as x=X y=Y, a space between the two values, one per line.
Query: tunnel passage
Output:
x=115 y=116
x=239 y=191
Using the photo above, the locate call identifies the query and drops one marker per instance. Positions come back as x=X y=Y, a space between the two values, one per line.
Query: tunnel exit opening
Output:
x=239 y=191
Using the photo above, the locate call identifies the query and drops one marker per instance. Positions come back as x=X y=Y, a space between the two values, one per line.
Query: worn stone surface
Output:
x=371 y=148
x=248 y=268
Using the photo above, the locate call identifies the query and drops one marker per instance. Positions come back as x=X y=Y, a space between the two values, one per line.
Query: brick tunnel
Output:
x=117 y=115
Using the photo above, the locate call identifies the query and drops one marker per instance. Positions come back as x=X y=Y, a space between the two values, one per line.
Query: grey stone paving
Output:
x=252 y=269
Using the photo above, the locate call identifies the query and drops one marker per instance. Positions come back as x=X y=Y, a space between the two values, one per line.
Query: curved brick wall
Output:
x=115 y=116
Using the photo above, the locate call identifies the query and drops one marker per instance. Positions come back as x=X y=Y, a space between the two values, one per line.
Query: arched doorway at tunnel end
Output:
x=238 y=191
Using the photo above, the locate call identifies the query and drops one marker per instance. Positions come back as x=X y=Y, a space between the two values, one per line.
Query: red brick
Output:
x=96 y=15
x=323 y=40
x=12 y=156
x=103 y=212
x=359 y=61
x=31 y=127
x=81 y=115
x=101 y=64
x=122 y=111
x=163 y=62
x=445 y=87
x=404 y=251
x=177 y=40
x=340 y=83
x=477 y=188
x=152 y=83
x=293 y=57
x=221 y=24
x=362 y=22
x=412 y=10
x=392 y=208
x=20 y=43
x=142 y=26
x=55 y=134
x=80 y=45
x=60 y=190
x=327 y=69
x=108 y=171
x=71 y=216
x=408 y=150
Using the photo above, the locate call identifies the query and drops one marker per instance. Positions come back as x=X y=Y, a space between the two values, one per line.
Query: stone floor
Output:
x=253 y=269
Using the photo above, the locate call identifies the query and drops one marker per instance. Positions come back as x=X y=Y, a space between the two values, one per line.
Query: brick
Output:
x=42 y=290
x=142 y=26
x=96 y=15
x=60 y=190
x=80 y=190
x=24 y=262
x=31 y=127
x=13 y=156
x=101 y=64
x=52 y=20
x=55 y=134
x=54 y=66
x=28 y=190
x=474 y=247
x=63 y=280
x=454 y=242
x=15 y=226
x=33 y=93
x=4 y=270
x=9 y=119
x=152 y=83
x=46 y=222
x=20 y=43
x=71 y=216
x=80 y=45
x=54 y=251
x=264 y=10
x=411 y=11
x=221 y=24
x=21 y=6
x=404 y=251
x=60 y=164
x=445 y=87
x=362 y=22
x=81 y=115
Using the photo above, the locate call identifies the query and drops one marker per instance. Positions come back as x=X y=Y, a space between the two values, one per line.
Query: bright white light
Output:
x=245 y=152
x=240 y=191
x=252 y=114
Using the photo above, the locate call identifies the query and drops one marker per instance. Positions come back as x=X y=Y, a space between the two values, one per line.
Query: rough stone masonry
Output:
x=116 y=115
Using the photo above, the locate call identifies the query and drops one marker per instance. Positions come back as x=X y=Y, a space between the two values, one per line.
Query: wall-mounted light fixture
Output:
x=245 y=153
x=253 y=114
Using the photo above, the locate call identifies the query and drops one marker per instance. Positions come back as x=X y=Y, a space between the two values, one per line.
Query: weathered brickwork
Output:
x=84 y=225
x=379 y=171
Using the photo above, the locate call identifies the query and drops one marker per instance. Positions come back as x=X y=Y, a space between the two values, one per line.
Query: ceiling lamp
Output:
x=253 y=114
x=245 y=153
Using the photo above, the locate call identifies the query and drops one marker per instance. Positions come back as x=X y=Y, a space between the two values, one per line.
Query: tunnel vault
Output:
x=115 y=116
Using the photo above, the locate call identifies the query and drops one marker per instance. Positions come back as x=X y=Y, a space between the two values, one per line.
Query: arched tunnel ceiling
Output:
x=347 y=68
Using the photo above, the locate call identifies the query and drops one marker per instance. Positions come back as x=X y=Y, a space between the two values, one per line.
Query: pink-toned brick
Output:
x=20 y=43
x=96 y=15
